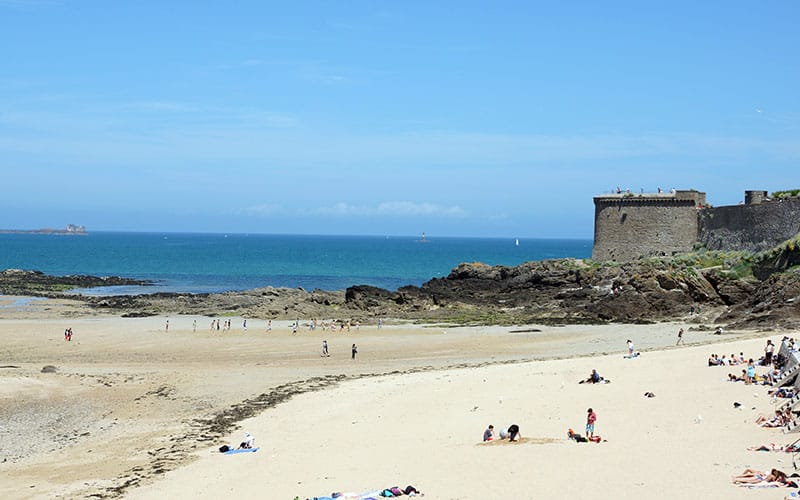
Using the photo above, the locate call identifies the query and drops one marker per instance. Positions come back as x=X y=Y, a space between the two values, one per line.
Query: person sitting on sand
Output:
x=488 y=434
x=763 y=418
x=594 y=378
x=248 y=443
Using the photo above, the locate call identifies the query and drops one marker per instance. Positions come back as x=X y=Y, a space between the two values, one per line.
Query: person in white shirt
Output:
x=249 y=441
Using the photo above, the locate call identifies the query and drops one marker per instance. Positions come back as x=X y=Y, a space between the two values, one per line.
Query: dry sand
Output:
x=138 y=411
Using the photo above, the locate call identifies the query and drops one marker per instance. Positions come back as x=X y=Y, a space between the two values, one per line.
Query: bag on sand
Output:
x=224 y=448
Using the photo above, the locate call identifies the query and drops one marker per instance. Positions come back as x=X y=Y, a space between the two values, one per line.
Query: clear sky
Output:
x=366 y=117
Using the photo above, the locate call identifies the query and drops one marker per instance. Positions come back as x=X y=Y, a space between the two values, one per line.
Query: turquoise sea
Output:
x=182 y=262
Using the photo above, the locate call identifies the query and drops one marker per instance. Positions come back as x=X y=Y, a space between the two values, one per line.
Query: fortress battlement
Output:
x=628 y=226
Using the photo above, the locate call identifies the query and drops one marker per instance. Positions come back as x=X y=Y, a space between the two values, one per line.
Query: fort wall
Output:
x=631 y=226
x=749 y=227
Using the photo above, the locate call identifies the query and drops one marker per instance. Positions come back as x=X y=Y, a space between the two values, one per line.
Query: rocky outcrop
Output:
x=553 y=291
x=36 y=283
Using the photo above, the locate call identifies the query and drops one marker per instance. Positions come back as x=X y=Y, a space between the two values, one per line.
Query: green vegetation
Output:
x=790 y=245
x=790 y=193
x=711 y=258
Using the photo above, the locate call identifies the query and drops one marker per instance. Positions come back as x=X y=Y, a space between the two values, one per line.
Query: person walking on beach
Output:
x=680 y=337
x=194 y=326
x=166 y=327
x=269 y=326
x=630 y=347
x=591 y=418
x=244 y=325
x=353 y=352
x=325 y=348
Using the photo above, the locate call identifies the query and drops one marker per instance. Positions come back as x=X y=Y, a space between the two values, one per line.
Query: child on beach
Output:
x=488 y=434
x=591 y=418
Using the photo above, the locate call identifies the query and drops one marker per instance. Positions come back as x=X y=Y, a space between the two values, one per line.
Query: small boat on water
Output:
x=516 y=242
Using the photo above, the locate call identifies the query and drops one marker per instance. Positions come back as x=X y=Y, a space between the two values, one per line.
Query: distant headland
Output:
x=70 y=229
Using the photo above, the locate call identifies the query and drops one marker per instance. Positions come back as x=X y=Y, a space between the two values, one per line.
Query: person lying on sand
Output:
x=755 y=477
x=734 y=378
x=789 y=448
x=783 y=392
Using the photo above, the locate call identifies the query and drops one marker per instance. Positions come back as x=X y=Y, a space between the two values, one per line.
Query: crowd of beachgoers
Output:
x=778 y=371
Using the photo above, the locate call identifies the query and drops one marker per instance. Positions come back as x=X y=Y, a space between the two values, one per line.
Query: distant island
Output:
x=71 y=229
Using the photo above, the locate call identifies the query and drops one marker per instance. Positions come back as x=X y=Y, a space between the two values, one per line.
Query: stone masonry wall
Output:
x=749 y=227
x=627 y=228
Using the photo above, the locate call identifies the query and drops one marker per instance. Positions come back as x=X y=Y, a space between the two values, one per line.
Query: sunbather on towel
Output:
x=772 y=447
x=752 y=476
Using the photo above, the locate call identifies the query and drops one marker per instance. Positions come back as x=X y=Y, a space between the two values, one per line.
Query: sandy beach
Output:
x=138 y=411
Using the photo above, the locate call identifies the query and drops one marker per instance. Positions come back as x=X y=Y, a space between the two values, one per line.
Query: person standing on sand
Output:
x=591 y=418
x=166 y=328
x=680 y=337
x=269 y=326
x=630 y=347
x=768 y=351
x=244 y=325
x=325 y=348
x=353 y=352
x=194 y=326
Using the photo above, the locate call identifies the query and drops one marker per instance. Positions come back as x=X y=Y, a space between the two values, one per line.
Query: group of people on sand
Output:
x=752 y=478
x=734 y=360
x=511 y=433
x=779 y=419
x=749 y=375
x=326 y=353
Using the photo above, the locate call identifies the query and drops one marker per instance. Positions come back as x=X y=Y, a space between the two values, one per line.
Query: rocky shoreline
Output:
x=704 y=288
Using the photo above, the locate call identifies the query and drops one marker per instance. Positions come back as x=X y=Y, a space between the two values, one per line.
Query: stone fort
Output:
x=628 y=226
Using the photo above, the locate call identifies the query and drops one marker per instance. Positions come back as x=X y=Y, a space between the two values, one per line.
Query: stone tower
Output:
x=628 y=226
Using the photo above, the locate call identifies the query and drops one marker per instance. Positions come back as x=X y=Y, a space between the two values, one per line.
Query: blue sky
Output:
x=453 y=118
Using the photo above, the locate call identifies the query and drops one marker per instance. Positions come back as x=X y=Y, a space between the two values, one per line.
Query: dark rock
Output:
x=49 y=369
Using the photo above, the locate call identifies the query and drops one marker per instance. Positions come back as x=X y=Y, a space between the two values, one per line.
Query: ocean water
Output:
x=183 y=262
